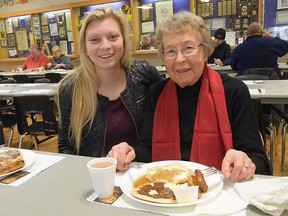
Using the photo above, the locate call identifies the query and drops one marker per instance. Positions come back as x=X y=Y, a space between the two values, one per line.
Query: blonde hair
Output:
x=181 y=21
x=56 y=49
x=85 y=81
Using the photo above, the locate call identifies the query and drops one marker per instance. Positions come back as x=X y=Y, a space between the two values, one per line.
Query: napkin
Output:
x=268 y=195
x=227 y=202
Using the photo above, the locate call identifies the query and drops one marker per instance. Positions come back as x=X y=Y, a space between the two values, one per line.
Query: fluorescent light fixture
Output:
x=145 y=7
x=19 y=17
x=59 y=11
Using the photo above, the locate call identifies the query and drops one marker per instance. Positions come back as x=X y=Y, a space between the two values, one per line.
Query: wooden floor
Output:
x=50 y=145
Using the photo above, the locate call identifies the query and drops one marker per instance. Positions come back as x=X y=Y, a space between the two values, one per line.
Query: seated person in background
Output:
x=35 y=61
x=259 y=50
x=59 y=60
x=222 y=51
x=197 y=114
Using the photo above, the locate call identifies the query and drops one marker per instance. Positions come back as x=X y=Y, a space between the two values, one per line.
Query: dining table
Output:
x=63 y=186
x=269 y=91
x=35 y=74
x=10 y=90
x=283 y=67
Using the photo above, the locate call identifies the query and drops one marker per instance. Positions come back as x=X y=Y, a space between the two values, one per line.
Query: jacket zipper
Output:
x=138 y=102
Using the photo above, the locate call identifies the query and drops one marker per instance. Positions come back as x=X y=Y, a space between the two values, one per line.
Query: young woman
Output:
x=101 y=102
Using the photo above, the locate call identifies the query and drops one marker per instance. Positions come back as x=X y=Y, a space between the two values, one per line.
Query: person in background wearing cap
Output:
x=260 y=50
x=222 y=52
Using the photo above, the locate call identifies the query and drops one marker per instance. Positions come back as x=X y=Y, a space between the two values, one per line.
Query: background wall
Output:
x=33 y=4
x=154 y=59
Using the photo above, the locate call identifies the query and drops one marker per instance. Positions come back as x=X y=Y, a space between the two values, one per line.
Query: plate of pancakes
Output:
x=13 y=160
x=157 y=183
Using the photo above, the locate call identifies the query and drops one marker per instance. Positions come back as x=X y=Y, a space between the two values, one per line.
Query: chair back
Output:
x=270 y=72
x=53 y=77
x=21 y=78
x=42 y=80
x=8 y=81
x=38 y=104
x=259 y=116
x=252 y=77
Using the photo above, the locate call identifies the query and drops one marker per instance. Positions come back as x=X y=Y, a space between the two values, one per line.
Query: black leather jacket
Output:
x=139 y=78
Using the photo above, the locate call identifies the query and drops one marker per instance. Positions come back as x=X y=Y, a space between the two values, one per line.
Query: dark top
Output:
x=222 y=52
x=241 y=114
x=258 y=52
x=120 y=125
x=140 y=76
x=62 y=60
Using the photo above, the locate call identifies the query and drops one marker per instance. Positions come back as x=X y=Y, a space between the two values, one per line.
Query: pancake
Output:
x=173 y=172
x=154 y=192
x=10 y=160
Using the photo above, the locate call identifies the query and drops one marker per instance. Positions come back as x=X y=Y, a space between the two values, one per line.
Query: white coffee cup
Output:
x=102 y=172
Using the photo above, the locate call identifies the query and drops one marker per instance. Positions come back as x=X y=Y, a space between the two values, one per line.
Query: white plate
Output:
x=29 y=158
x=214 y=182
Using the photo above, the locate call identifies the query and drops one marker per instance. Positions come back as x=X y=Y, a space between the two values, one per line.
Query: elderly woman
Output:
x=59 y=60
x=197 y=114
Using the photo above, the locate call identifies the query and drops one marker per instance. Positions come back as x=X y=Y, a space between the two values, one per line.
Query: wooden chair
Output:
x=45 y=123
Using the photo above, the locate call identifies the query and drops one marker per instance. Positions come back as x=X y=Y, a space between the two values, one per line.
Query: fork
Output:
x=209 y=171
x=135 y=165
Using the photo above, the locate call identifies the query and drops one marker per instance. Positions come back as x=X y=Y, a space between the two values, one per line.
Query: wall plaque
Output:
x=237 y=24
x=229 y=23
x=224 y=8
x=254 y=16
x=220 y=9
x=245 y=23
x=244 y=9
x=229 y=8
x=234 y=7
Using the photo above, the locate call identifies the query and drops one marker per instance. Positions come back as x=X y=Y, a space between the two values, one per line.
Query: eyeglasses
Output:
x=187 y=50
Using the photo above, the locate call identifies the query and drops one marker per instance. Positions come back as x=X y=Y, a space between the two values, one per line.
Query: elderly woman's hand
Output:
x=237 y=166
x=123 y=153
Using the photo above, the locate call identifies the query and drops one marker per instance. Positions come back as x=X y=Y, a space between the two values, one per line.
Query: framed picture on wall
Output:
x=22 y=39
x=4 y=43
x=281 y=4
x=11 y=40
x=281 y=17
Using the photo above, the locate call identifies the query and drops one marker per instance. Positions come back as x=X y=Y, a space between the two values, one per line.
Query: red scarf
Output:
x=212 y=135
